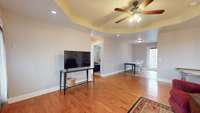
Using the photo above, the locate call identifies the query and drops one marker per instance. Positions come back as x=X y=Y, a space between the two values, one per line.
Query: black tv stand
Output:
x=64 y=73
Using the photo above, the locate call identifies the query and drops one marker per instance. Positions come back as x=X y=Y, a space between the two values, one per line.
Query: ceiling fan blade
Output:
x=154 y=12
x=121 y=10
x=121 y=20
x=146 y=3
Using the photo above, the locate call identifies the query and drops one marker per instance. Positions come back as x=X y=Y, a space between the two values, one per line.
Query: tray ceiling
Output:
x=100 y=15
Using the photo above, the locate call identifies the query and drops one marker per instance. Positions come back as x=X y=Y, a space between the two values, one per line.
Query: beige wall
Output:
x=35 y=52
x=178 y=46
x=115 y=53
x=1 y=21
x=140 y=52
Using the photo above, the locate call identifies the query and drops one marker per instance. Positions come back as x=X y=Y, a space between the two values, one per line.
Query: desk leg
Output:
x=124 y=68
x=134 y=69
x=183 y=76
x=65 y=79
x=60 y=81
x=93 y=76
x=87 y=75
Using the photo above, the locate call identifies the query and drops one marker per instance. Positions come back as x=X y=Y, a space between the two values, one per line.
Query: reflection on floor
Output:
x=145 y=74
x=149 y=74
x=113 y=94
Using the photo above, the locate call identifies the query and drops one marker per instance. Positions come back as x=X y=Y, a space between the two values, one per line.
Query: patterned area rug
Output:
x=144 y=105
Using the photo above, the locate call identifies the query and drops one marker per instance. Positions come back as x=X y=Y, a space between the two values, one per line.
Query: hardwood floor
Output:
x=114 y=94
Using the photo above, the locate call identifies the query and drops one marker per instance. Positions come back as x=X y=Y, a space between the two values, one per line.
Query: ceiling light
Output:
x=131 y=19
x=139 y=19
x=139 y=40
x=53 y=12
x=136 y=18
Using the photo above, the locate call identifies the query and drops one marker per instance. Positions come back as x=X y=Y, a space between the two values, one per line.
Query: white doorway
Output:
x=152 y=58
x=3 y=75
x=97 y=49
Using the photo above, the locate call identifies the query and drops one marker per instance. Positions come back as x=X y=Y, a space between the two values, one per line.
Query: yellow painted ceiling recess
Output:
x=102 y=16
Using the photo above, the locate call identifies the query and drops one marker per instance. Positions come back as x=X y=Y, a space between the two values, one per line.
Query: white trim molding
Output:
x=56 y=88
x=31 y=95
x=112 y=73
x=164 y=80
x=37 y=93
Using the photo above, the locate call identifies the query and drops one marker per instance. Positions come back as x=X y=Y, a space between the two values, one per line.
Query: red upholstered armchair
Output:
x=179 y=95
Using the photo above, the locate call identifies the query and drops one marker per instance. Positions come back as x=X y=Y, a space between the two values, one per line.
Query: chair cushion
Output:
x=180 y=97
x=193 y=88
x=186 y=86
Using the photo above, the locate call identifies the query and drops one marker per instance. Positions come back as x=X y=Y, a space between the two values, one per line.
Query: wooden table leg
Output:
x=65 y=79
x=60 y=81
x=134 y=69
x=124 y=67
x=87 y=75
x=93 y=76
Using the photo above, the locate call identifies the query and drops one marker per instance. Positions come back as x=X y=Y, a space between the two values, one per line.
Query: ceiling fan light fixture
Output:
x=138 y=20
x=135 y=18
x=131 y=19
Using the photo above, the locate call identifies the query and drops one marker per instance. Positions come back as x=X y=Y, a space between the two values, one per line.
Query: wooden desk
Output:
x=64 y=73
x=133 y=65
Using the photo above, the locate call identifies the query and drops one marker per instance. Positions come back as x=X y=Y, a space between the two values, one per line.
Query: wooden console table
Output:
x=188 y=72
x=64 y=73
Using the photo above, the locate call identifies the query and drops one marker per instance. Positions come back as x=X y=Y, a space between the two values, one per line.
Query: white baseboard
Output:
x=50 y=90
x=31 y=95
x=112 y=73
x=164 y=80
x=36 y=93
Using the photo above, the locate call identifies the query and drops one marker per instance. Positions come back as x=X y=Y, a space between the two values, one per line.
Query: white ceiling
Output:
x=100 y=15
x=40 y=9
x=148 y=36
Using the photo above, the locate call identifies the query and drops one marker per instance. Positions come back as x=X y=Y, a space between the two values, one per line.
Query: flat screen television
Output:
x=75 y=59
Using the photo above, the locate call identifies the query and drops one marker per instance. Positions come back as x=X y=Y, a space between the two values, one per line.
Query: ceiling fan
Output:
x=134 y=8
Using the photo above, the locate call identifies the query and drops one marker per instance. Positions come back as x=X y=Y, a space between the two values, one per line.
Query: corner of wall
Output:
x=1 y=20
